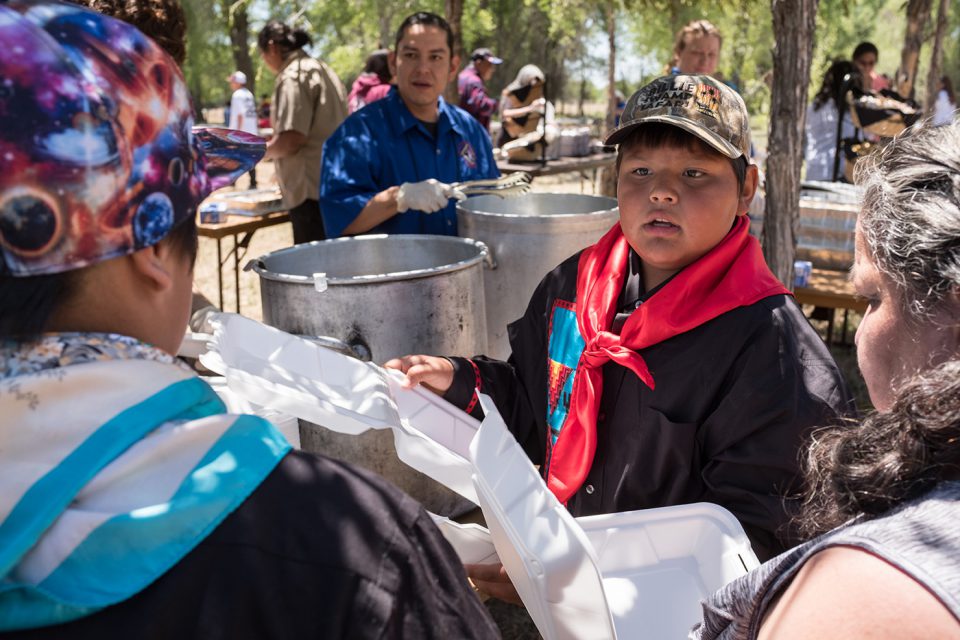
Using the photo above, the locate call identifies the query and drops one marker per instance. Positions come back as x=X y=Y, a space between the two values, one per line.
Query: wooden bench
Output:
x=828 y=291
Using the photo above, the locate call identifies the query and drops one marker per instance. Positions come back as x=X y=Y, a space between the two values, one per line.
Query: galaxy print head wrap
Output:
x=98 y=154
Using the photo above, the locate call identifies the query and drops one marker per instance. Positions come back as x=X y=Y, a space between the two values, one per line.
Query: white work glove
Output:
x=427 y=196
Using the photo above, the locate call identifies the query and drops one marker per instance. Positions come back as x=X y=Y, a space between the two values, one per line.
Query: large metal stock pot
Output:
x=379 y=297
x=527 y=237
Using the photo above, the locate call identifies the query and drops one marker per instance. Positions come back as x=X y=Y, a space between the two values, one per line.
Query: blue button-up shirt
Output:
x=383 y=145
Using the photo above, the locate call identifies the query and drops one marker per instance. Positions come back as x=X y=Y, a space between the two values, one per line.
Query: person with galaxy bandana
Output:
x=665 y=364
x=131 y=503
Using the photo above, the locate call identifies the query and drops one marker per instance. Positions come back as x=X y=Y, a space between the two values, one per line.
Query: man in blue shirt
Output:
x=387 y=168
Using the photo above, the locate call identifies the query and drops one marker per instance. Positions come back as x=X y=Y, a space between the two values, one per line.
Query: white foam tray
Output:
x=303 y=379
x=638 y=574
x=472 y=542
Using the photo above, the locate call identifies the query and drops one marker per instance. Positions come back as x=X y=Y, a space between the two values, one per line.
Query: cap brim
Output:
x=714 y=140
x=229 y=153
x=494 y=60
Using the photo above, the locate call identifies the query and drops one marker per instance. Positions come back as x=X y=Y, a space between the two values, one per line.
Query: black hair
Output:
x=865 y=47
x=27 y=304
x=286 y=38
x=840 y=74
x=163 y=21
x=377 y=62
x=657 y=135
x=428 y=20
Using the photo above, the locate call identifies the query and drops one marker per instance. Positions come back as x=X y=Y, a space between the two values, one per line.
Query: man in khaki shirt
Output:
x=309 y=103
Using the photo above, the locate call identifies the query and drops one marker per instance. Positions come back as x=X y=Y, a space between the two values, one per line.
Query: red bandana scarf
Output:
x=732 y=274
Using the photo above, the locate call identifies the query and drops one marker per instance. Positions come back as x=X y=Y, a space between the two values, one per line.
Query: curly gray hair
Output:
x=910 y=218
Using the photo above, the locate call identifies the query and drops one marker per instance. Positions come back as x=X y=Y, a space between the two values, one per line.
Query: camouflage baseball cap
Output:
x=700 y=105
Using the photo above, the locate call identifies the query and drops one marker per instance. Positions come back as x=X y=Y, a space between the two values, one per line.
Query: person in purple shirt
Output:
x=470 y=85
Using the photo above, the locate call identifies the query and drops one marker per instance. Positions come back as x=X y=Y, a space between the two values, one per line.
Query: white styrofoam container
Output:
x=472 y=542
x=626 y=575
x=303 y=379
x=638 y=574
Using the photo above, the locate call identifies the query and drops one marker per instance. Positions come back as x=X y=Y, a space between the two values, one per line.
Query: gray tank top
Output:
x=932 y=559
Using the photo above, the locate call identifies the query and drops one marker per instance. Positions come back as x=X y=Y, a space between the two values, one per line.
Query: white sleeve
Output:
x=236 y=109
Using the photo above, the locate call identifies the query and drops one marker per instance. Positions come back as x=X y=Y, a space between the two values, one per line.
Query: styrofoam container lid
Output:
x=546 y=554
x=629 y=575
x=303 y=379
x=472 y=542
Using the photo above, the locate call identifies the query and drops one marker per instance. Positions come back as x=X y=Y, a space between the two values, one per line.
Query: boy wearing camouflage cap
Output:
x=665 y=364
x=131 y=503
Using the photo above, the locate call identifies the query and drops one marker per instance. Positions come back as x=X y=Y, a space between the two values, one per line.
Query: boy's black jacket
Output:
x=734 y=402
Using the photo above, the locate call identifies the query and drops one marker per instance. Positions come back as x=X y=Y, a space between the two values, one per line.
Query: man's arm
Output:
x=284 y=144
x=479 y=101
x=350 y=181
x=380 y=208
x=294 y=112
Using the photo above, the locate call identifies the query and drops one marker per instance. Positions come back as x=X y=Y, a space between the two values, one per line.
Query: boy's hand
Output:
x=433 y=372
x=492 y=580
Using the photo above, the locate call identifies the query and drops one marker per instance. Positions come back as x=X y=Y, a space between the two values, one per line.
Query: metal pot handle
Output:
x=357 y=349
x=486 y=252
x=253 y=264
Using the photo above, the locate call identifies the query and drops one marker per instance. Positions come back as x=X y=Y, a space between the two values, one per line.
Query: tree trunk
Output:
x=612 y=64
x=918 y=14
x=236 y=13
x=608 y=176
x=454 y=11
x=933 y=76
x=386 y=29
x=583 y=94
x=793 y=24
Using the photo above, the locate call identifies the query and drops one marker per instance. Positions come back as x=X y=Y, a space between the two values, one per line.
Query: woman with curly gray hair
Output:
x=884 y=496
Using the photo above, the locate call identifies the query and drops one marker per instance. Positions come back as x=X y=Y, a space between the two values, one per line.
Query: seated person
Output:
x=133 y=504
x=528 y=120
x=387 y=167
x=883 y=497
x=664 y=365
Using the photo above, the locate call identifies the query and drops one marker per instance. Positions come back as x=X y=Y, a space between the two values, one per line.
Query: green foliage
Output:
x=566 y=38
x=209 y=59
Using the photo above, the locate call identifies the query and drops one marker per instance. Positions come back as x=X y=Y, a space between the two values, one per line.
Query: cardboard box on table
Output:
x=638 y=574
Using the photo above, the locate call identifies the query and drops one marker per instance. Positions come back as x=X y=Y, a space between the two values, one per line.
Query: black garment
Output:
x=320 y=550
x=307 y=222
x=734 y=400
x=431 y=127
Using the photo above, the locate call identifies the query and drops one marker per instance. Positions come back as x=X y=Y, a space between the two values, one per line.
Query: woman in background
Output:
x=373 y=84
x=309 y=103
x=821 y=127
x=944 y=109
